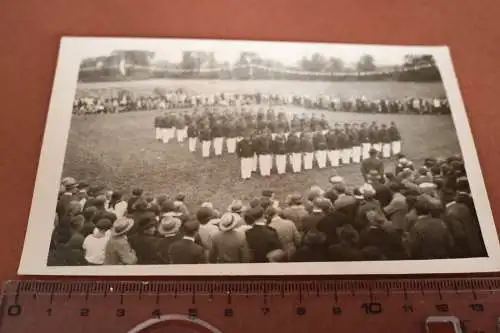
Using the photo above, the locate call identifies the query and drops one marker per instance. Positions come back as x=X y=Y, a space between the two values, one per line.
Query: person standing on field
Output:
x=180 y=129
x=206 y=140
x=218 y=137
x=245 y=152
x=356 y=144
x=293 y=148
x=320 y=149
x=192 y=133
x=280 y=152
x=395 y=138
x=386 y=141
x=333 y=149
x=264 y=152
x=364 y=138
x=307 y=146
x=231 y=134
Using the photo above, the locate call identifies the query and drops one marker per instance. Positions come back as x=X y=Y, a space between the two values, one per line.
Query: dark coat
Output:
x=62 y=255
x=429 y=238
x=329 y=225
x=309 y=253
x=146 y=249
x=262 y=240
x=244 y=149
x=186 y=252
x=388 y=240
x=344 y=252
x=164 y=244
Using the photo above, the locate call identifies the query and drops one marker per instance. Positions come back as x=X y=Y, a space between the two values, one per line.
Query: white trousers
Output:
x=377 y=146
x=308 y=161
x=321 y=158
x=346 y=155
x=231 y=145
x=168 y=134
x=356 y=154
x=246 y=167
x=296 y=162
x=287 y=134
x=281 y=163
x=324 y=132
x=255 y=162
x=396 y=147
x=192 y=144
x=181 y=134
x=334 y=156
x=265 y=164
x=158 y=133
x=239 y=138
x=273 y=135
x=218 y=146
x=386 y=150
x=205 y=148
x=164 y=134
x=365 y=150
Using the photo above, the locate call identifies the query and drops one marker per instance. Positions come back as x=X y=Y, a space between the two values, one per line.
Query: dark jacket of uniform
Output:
x=244 y=149
x=293 y=144
x=354 y=137
x=192 y=131
x=279 y=145
x=331 y=141
x=373 y=135
x=384 y=135
x=363 y=135
x=265 y=145
x=306 y=144
x=180 y=123
x=217 y=131
x=394 y=134
x=319 y=142
x=343 y=140
x=205 y=134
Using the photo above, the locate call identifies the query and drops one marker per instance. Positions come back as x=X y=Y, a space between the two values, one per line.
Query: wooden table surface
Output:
x=30 y=31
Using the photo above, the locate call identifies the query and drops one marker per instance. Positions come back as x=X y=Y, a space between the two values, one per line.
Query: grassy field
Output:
x=371 y=90
x=120 y=152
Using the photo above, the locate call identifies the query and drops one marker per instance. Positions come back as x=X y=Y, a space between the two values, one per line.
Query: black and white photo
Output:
x=218 y=157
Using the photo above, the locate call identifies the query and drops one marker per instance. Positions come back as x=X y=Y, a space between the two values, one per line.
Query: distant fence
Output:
x=120 y=71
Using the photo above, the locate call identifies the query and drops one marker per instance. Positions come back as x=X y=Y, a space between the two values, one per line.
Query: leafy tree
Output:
x=366 y=64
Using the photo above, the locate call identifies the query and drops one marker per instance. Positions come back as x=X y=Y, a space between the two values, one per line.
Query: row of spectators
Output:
x=180 y=99
x=411 y=213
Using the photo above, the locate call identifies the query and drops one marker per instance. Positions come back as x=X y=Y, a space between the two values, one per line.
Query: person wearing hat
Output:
x=369 y=203
x=245 y=152
x=397 y=208
x=136 y=195
x=295 y=210
x=229 y=244
x=94 y=244
x=168 y=230
x=144 y=241
x=185 y=251
x=372 y=163
x=236 y=207
x=118 y=250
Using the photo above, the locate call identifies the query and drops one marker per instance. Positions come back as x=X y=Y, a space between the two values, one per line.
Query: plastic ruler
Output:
x=395 y=306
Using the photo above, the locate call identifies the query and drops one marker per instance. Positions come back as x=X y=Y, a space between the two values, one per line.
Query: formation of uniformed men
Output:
x=181 y=99
x=264 y=139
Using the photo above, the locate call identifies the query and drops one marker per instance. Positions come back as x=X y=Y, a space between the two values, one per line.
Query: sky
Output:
x=289 y=53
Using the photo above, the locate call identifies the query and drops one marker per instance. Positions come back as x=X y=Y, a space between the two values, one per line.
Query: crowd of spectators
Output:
x=423 y=212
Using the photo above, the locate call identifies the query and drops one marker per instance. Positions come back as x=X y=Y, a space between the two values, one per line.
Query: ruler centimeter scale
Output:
x=414 y=305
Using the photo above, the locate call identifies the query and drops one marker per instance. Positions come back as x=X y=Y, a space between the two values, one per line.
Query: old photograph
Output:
x=222 y=157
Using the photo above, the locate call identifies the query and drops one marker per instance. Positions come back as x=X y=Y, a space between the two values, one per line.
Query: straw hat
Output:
x=121 y=226
x=228 y=222
x=169 y=226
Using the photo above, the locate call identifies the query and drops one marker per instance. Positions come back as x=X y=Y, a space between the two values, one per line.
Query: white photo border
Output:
x=40 y=223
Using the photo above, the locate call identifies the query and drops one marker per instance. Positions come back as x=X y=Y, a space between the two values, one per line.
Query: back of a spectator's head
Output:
x=104 y=224
x=340 y=188
x=255 y=202
x=191 y=227
x=89 y=213
x=314 y=192
x=463 y=184
x=268 y=193
x=254 y=214
x=368 y=191
x=99 y=201
x=137 y=192
x=331 y=195
x=76 y=222
x=140 y=205
x=423 y=171
x=204 y=214
x=294 y=199
x=160 y=200
x=390 y=176
x=266 y=202
x=314 y=238
x=422 y=207
x=322 y=204
x=180 y=197
x=167 y=206
x=116 y=196
x=435 y=170
x=271 y=212
x=149 y=198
